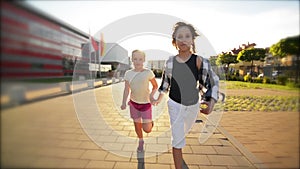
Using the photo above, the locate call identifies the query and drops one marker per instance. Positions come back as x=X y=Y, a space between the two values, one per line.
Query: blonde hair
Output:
x=134 y=51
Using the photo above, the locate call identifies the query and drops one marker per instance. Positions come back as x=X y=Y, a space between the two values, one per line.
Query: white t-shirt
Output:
x=139 y=85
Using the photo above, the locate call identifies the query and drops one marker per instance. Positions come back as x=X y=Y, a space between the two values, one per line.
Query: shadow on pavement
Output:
x=141 y=160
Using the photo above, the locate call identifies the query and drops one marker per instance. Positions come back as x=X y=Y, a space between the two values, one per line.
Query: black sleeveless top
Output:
x=183 y=88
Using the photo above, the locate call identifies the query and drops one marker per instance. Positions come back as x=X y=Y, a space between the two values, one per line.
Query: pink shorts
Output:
x=143 y=111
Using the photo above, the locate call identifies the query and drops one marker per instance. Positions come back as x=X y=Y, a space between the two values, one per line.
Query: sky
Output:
x=223 y=25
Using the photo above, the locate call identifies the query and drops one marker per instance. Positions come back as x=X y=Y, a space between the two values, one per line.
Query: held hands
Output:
x=206 y=107
x=155 y=102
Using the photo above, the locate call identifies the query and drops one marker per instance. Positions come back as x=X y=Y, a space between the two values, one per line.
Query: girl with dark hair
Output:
x=184 y=75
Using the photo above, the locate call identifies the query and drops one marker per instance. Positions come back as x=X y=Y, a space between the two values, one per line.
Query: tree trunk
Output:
x=251 y=72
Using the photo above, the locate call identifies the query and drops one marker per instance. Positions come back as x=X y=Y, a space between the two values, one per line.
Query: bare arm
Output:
x=154 y=88
x=165 y=80
x=158 y=100
x=210 y=82
x=125 y=94
x=198 y=63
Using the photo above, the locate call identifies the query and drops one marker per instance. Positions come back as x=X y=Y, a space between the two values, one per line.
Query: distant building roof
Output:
x=28 y=7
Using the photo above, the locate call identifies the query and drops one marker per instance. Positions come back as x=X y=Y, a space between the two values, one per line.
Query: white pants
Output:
x=182 y=119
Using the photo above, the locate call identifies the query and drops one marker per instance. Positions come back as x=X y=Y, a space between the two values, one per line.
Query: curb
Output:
x=17 y=94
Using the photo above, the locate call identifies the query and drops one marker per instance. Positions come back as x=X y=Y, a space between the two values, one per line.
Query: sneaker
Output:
x=141 y=146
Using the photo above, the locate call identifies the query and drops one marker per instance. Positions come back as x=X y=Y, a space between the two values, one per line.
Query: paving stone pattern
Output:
x=65 y=132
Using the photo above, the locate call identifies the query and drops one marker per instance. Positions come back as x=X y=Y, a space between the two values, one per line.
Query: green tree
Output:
x=226 y=59
x=251 y=54
x=213 y=60
x=288 y=46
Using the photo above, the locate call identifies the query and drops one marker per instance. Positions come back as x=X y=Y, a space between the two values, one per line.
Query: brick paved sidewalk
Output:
x=50 y=134
x=273 y=137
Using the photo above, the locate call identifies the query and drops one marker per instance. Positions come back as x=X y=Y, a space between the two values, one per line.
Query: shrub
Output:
x=234 y=78
x=227 y=76
x=231 y=77
x=293 y=84
x=247 y=78
x=257 y=80
x=266 y=80
x=282 y=80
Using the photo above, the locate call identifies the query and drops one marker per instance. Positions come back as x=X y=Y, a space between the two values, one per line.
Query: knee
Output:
x=147 y=129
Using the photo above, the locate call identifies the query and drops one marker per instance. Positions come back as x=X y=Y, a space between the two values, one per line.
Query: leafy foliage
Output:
x=251 y=54
x=287 y=46
x=247 y=78
x=226 y=58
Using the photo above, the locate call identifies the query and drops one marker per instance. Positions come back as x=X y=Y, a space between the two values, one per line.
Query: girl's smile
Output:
x=184 y=38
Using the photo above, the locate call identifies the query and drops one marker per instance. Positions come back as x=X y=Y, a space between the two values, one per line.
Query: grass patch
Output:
x=248 y=85
x=261 y=103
